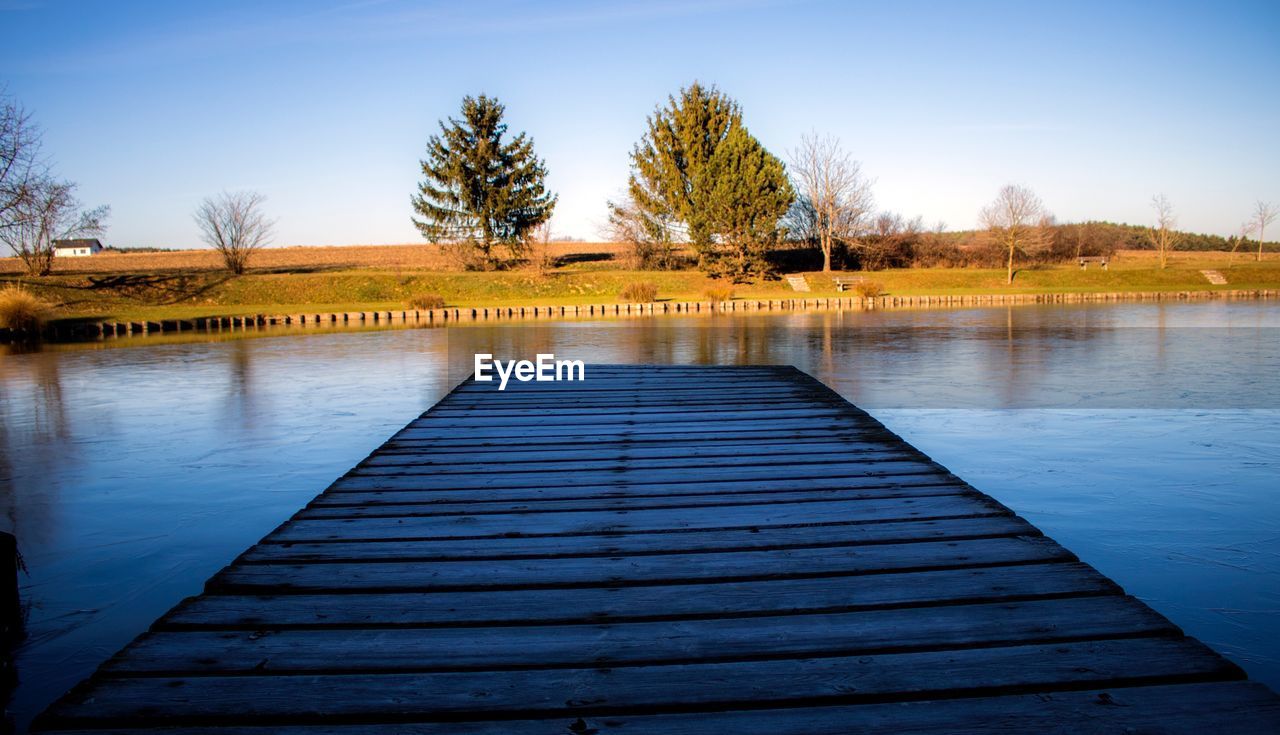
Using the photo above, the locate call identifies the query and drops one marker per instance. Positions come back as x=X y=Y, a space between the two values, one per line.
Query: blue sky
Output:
x=326 y=106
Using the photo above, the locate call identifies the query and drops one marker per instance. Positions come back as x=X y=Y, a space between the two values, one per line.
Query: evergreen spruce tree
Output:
x=743 y=193
x=481 y=191
x=668 y=160
x=673 y=178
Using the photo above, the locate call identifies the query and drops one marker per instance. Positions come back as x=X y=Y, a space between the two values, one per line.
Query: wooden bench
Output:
x=1099 y=259
x=844 y=283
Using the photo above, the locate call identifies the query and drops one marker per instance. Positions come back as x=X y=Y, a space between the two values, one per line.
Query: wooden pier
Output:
x=660 y=550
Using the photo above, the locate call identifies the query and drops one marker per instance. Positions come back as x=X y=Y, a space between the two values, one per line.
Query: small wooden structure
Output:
x=659 y=551
x=844 y=283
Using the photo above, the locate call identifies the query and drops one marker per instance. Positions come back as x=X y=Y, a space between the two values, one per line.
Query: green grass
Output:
x=193 y=294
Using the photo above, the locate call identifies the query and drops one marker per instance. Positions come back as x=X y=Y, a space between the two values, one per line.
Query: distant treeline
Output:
x=892 y=241
x=1104 y=235
x=119 y=249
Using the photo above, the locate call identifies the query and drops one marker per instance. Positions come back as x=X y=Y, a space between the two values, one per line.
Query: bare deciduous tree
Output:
x=935 y=247
x=889 y=240
x=21 y=169
x=538 y=249
x=652 y=237
x=1016 y=220
x=234 y=224
x=1263 y=215
x=47 y=211
x=1240 y=240
x=838 y=195
x=800 y=223
x=1163 y=236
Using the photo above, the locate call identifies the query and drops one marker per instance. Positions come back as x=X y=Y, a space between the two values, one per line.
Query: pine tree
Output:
x=698 y=166
x=479 y=190
x=743 y=194
x=667 y=163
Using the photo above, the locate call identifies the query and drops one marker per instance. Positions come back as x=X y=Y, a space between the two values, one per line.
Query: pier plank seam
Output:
x=661 y=571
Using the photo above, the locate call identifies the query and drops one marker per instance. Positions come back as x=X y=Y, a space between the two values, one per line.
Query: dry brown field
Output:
x=301 y=258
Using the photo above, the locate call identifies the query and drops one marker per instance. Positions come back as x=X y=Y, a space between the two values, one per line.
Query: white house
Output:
x=76 y=248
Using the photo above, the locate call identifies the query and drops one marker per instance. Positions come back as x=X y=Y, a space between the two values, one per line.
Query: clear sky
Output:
x=325 y=105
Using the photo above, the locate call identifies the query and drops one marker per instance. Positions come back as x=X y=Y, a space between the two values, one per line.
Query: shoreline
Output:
x=80 y=331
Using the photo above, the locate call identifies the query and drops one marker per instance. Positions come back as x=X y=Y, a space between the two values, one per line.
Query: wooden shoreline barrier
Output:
x=659 y=551
x=446 y=315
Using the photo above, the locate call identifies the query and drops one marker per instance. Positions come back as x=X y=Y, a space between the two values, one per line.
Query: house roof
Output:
x=80 y=243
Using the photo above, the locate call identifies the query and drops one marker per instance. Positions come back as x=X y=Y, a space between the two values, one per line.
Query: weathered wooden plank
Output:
x=742 y=539
x=1241 y=708
x=676 y=377
x=621 y=418
x=702 y=372
x=676 y=407
x=425 y=479
x=630 y=386
x=468 y=441
x=503 y=402
x=658 y=602
x=620 y=430
x=409 y=465
x=622 y=388
x=868 y=458
x=759 y=451
x=626 y=483
x=392 y=452
x=353 y=505
x=635 y=521
x=746 y=418
x=647 y=495
x=608 y=505
x=647 y=643
x=637 y=570
x=656 y=689
x=631 y=379
x=599 y=382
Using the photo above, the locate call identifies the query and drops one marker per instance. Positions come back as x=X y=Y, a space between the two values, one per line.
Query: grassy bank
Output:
x=101 y=289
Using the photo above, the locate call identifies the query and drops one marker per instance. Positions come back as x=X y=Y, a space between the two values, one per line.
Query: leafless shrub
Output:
x=889 y=241
x=719 y=292
x=1163 y=236
x=426 y=301
x=234 y=224
x=639 y=292
x=538 y=249
x=1263 y=215
x=48 y=211
x=869 y=289
x=652 y=239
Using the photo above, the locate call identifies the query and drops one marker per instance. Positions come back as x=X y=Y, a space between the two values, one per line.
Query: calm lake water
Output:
x=1144 y=437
